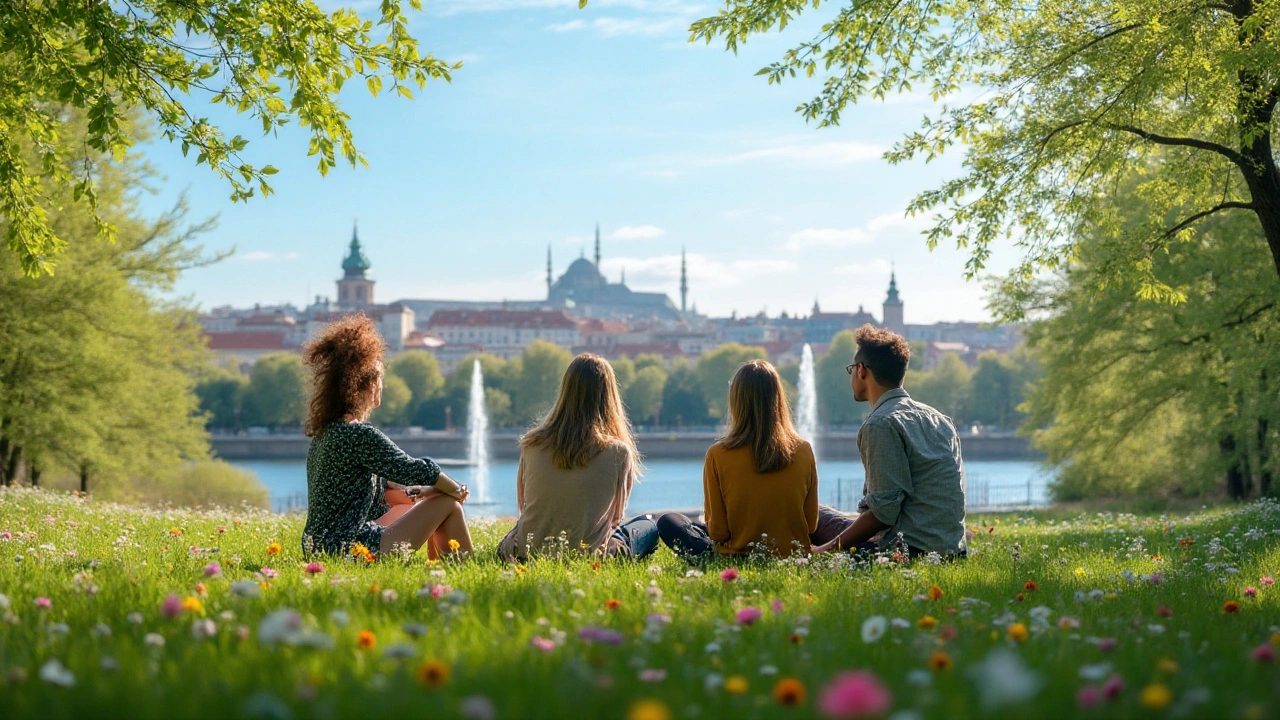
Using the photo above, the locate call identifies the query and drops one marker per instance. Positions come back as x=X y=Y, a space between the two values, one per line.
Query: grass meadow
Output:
x=114 y=610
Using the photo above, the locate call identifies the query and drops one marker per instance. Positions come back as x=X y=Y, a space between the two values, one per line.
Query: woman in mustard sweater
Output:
x=760 y=482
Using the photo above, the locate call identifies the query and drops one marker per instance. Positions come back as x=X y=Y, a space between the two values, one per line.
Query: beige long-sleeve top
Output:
x=575 y=509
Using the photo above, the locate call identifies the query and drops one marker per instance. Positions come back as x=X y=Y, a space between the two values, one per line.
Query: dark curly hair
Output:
x=345 y=362
x=884 y=352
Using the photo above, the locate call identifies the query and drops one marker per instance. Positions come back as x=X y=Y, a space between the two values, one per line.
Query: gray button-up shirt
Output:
x=915 y=476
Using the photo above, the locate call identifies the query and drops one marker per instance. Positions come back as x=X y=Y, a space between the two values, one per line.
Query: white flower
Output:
x=399 y=651
x=1002 y=679
x=4 y=601
x=279 y=626
x=713 y=647
x=579 y=593
x=900 y=622
x=713 y=682
x=246 y=588
x=102 y=630
x=134 y=618
x=203 y=628
x=1096 y=672
x=921 y=678
x=477 y=707
x=339 y=618
x=768 y=670
x=154 y=640
x=1155 y=629
x=873 y=628
x=54 y=673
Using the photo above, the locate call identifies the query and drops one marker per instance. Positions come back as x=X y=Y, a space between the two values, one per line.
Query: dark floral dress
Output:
x=348 y=467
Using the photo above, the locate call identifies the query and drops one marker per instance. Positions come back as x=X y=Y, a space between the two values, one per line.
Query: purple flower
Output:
x=776 y=606
x=748 y=615
x=1087 y=697
x=213 y=569
x=171 y=607
x=600 y=635
x=1113 y=687
x=729 y=575
x=658 y=619
x=314 y=568
x=1108 y=644
x=653 y=675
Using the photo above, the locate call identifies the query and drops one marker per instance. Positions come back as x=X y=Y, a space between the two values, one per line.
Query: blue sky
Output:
x=562 y=118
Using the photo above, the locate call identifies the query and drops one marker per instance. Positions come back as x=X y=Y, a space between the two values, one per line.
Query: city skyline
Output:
x=560 y=119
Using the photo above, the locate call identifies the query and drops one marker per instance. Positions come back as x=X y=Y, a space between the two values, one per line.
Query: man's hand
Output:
x=825 y=547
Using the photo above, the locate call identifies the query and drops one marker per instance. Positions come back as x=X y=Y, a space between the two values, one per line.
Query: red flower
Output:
x=1230 y=607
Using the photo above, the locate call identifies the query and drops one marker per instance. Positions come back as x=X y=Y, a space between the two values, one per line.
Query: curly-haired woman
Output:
x=351 y=464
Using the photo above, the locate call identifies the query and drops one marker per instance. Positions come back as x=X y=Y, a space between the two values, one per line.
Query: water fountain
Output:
x=807 y=403
x=478 y=437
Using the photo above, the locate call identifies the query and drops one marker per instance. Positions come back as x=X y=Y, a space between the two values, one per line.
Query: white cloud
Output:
x=878 y=266
x=830 y=153
x=616 y=27
x=637 y=232
x=661 y=273
x=878 y=226
x=264 y=256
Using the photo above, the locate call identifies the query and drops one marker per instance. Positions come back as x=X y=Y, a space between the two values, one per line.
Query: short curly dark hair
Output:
x=884 y=352
x=345 y=361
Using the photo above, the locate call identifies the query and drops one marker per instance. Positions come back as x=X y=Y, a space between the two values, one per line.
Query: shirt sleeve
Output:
x=888 y=471
x=520 y=485
x=626 y=481
x=385 y=459
x=713 y=501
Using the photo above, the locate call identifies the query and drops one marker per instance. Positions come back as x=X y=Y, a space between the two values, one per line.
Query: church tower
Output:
x=893 y=307
x=355 y=289
x=684 y=283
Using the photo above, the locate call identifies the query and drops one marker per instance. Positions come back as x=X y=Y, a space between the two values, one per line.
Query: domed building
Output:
x=587 y=293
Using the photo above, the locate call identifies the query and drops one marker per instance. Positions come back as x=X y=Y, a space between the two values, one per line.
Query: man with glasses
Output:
x=913 y=499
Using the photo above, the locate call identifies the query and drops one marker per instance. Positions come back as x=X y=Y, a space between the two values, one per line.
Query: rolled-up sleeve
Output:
x=888 y=472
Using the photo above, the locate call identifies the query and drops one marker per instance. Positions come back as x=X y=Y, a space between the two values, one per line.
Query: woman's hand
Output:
x=449 y=486
x=419 y=492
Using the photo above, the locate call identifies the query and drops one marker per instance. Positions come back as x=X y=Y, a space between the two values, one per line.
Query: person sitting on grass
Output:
x=913 y=499
x=576 y=471
x=760 y=482
x=351 y=465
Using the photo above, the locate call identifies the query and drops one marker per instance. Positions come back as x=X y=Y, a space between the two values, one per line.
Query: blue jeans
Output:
x=639 y=536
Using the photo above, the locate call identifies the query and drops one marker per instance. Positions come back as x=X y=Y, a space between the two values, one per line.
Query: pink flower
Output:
x=1068 y=623
x=6 y=535
x=729 y=575
x=1108 y=644
x=854 y=694
x=1264 y=653
x=1113 y=687
x=269 y=573
x=1251 y=592
x=652 y=675
x=776 y=605
x=439 y=591
x=44 y=603
x=542 y=643
x=171 y=607
x=1087 y=697
x=314 y=568
x=1265 y=581
x=213 y=569
x=748 y=615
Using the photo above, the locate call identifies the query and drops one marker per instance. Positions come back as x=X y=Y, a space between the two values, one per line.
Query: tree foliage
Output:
x=277 y=391
x=717 y=367
x=644 y=394
x=835 y=395
x=279 y=61
x=1074 y=98
x=534 y=392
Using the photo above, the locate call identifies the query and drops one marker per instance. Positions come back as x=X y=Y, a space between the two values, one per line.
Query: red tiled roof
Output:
x=503 y=318
x=267 y=320
x=596 y=325
x=375 y=312
x=246 y=341
x=775 y=348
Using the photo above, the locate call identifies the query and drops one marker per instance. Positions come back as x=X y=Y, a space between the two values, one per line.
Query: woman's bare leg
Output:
x=453 y=528
x=440 y=513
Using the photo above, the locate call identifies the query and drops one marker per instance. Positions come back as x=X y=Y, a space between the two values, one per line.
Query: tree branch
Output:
x=1232 y=155
x=1229 y=205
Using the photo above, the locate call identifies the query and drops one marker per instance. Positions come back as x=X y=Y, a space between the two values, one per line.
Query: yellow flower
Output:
x=928 y=622
x=520 y=569
x=1167 y=666
x=175 y=532
x=433 y=673
x=789 y=692
x=935 y=593
x=1080 y=572
x=454 y=545
x=193 y=604
x=1018 y=632
x=1156 y=696
x=274 y=549
x=648 y=709
x=1275 y=639
x=736 y=684
x=940 y=661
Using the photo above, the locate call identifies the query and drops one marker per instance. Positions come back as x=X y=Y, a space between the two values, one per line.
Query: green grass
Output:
x=98 y=563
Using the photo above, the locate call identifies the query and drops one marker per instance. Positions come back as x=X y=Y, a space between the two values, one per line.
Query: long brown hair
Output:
x=345 y=362
x=760 y=417
x=587 y=417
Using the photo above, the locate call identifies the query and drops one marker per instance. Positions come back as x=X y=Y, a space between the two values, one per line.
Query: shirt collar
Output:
x=892 y=394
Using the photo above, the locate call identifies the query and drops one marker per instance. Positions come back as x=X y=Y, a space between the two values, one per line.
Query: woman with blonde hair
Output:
x=351 y=465
x=576 y=471
x=760 y=482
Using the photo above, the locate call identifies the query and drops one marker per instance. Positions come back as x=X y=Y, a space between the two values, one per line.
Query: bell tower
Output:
x=355 y=289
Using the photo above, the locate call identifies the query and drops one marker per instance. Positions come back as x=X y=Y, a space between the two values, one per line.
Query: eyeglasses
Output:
x=849 y=368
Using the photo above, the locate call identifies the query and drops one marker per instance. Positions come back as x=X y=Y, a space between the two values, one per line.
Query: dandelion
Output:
x=274 y=548
x=729 y=575
x=521 y=569
x=433 y=674
x=1156 y=696
x=193 y=604
x=935 y=593
x=648 y=709
x=365 y=640
x=1230 y=607
x=1031 y=586
x=789 y=692
x=314 y=568
x=749 y=615
x=736 y=685
x=857 y=694
x=940 y=662
x=873 y=628
x=454 y=545
x=213 y=569
x=1018 y=632
x=1265 y=654
x=612 y=604
x=928 y=622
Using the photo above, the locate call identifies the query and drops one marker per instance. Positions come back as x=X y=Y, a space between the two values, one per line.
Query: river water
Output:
x=677 y=484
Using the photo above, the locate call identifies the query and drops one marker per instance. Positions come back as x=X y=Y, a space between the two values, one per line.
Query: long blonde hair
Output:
x=587 y=417
x=760 y=417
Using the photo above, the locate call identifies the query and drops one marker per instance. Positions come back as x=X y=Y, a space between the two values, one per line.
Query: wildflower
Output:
x=928 y=622
x=856 y=694
x=246 y=588
x=1265 y=654
x=54 y=673
x=1018 y=632
x=479 y=707
x=175 y=532
x=1251 y=592
x=43 y=603
x=1087 y=697
x=361 y=552
x=776 y=606
x=940 y=662
x=274 y=548
x=789 y=692
x=542 y=643
x=201 y=590
x=600 y=635
x=935 y=593
x=1031 y=586
x=365 y=640
x=279 y=626
x=213 y=569
x=1156 y=696
x=1108 y=644
x=154 y=639
x=1020 y=597
x=948 y=633
x=203 y=628
x=314 y=568
x=729 y=575
x=520 y=569
x=749 y=615
x=612 y=604
x=1113 y=687
x=1275 y=639
x=873 y=628
x=193 y=604
x=1167 y=666
x=649 y=709
x=653 y=675
x=454 y=545
x=433 y=674
x=736 y=685
x=1267 y=580
x=1066 y=623
x=268 y=573
x=1003 y=679
x=1230 y=607
x=1164 y=611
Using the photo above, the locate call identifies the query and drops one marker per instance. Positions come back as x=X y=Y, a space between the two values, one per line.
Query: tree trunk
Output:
x=1264 y=458
x=84 y=478
x=1237 y=483
x=33 y=475
x=5 y=480
x=11 y=465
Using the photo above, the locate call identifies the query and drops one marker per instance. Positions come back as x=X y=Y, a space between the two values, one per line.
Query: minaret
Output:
x=548 y=269
x=892 y=308
x=624 y=276
x=597 y=246
x=684 y=282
